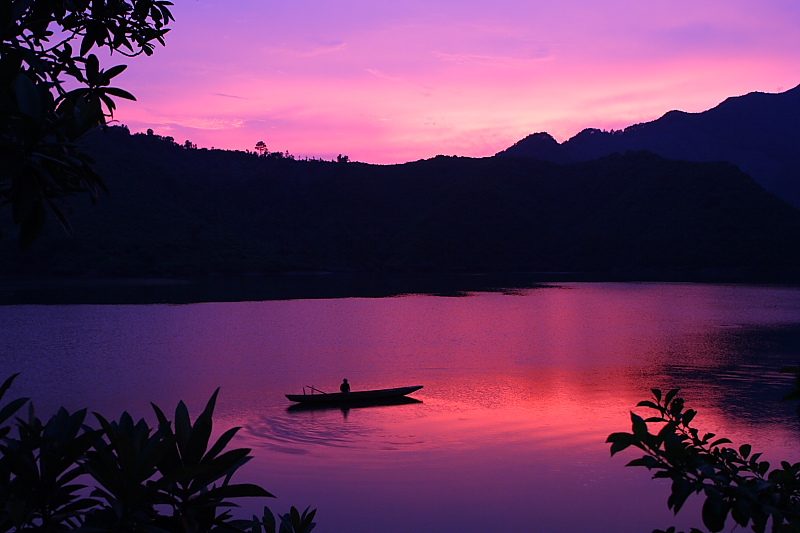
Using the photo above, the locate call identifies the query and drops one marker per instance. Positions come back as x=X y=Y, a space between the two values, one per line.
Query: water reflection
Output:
x=345 y=407
x=521 y=390
x=531 y=463
x=304 y=427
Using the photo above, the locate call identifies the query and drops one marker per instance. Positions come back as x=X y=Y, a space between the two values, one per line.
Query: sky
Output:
x=397 y=81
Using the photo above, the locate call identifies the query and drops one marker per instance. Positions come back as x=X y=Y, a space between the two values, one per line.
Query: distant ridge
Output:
x=758 y=132
x=184 y=212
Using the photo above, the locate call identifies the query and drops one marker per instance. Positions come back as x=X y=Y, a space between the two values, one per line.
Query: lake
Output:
x=521 y=389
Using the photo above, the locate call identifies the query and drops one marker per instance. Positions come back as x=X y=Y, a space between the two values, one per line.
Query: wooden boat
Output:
x=345 y=406
x=322 y=398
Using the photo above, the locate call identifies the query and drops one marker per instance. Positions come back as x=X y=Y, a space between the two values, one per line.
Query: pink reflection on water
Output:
x=520 y=393
x=526 y=453
x=453 y=466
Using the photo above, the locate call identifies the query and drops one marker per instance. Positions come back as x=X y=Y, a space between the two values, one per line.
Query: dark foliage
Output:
x=52 y=94
x=161 y=479
x=179 y=212
x=735 y=482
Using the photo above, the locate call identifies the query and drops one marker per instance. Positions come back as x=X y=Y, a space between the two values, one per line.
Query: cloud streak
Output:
x=230 y=96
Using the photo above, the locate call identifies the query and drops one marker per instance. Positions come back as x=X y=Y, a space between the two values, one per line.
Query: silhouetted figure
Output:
x=345 y=386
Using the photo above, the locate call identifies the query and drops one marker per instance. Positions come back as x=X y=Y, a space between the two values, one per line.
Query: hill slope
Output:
x=758 y=132
x=185 y=212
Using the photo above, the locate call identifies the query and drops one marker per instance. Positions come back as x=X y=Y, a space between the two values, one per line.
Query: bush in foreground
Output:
x=735 y=482
x=65 y=475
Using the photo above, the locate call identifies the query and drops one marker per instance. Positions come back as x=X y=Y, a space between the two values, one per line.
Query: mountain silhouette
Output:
x=758 y=132
x=184 y=212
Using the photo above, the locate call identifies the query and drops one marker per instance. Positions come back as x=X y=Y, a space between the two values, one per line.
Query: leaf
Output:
x=120 y=93
x=307 y=520
x=223 y=441
x=647 y=461
x=656 y=394
x=109 y=103
x=742 y=512
x=670 y=395
x=286 y=524
x=268 y=521
x=200 y=434
x=255 y=525
x=12 y=407
x=221 y=466
x=87 y=43
x=639 y=426
x=715 y=511
x=93 y=70
x=114 y=71
x=7 y=384
x=27 y=96
x=620 y=441
x=682 y=488
x=162 y=418
x=183 y=426
x=720 y=441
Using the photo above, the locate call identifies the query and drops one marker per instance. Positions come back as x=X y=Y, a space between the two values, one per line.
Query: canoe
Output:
x=357 y=404
x=352 y=397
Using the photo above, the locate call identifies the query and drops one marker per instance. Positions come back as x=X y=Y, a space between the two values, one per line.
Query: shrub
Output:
x=124 y=475
x=734 y=481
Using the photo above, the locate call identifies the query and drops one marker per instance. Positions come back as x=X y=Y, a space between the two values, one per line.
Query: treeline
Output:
x=178 y=212
x=260 y=148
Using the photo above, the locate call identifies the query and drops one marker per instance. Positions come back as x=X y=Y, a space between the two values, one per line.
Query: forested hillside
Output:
x=177 y=212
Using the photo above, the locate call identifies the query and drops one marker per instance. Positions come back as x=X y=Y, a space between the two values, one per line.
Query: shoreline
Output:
x=321 y=285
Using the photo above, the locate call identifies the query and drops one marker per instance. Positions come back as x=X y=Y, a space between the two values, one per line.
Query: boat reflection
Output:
x=346 y=406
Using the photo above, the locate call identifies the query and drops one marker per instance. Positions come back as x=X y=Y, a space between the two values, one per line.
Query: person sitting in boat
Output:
x=345 y=386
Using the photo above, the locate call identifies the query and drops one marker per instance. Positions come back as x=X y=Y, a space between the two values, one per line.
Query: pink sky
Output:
x=390 y=82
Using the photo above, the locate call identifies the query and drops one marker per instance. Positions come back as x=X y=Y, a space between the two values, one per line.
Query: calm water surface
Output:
x=520 y=391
